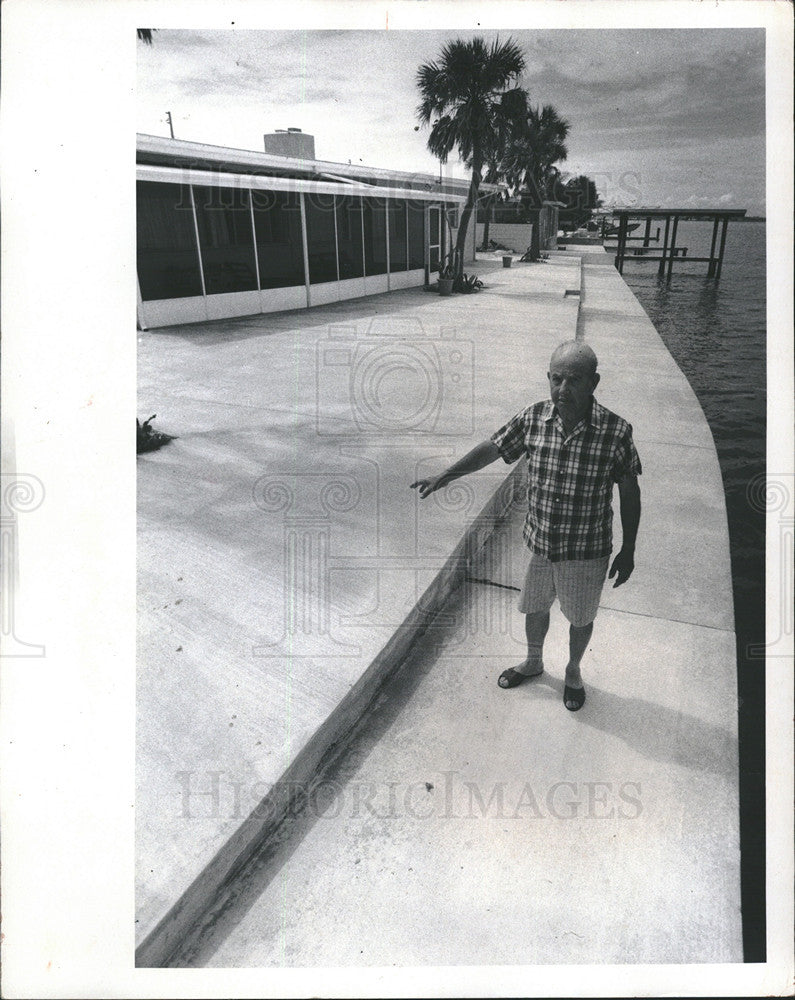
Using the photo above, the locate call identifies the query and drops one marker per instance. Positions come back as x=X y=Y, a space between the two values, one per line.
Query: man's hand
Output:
x=623 y=565
x=428 y=486
x=482 y=454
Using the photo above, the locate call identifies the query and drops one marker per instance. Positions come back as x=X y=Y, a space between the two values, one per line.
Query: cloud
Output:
x=618 y=58
x=682 y=109
x=673 y=108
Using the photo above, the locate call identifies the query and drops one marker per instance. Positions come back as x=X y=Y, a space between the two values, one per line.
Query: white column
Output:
x=364 y=256
x=388 y=259
x=254 y=236
x=141 y=317
x=198 y=242
x=336 y=236
x=305 y=244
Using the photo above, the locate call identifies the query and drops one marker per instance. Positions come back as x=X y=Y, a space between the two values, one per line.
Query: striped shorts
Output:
x=577 y=584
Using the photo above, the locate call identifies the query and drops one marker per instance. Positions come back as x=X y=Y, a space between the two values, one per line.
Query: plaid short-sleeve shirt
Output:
x=570 y=512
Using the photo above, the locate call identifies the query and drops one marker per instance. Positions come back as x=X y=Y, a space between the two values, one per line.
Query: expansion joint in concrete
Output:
x=682 y=444
x=490 y=583
x=662 y=618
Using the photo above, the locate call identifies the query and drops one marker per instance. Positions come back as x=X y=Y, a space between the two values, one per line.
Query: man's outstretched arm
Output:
x=624 y=562
x=481 y=455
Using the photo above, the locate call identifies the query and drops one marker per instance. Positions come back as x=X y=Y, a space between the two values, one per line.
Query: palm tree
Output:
x=581 y=198
x=509 y=124
x=145 y=35
x=536 y=148
x=467 y=96
x=530 y=163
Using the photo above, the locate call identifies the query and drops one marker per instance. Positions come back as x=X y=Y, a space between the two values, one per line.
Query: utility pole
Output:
x=170 y=123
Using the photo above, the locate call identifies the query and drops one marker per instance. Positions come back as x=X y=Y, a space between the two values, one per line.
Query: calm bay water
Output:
x=716 y=332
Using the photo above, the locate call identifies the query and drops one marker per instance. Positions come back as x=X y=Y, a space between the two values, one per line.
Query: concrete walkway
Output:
x=468 y=825
x=284 y=567
x=465 y=824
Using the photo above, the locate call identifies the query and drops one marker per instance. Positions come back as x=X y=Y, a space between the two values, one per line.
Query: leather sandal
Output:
x=510 y=678
x=577 y=695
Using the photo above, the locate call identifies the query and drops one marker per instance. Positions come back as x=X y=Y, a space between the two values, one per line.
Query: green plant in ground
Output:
x=494 y=245
x=468 y=98
x=469 y=283
x=148 y=439
x=531 y=257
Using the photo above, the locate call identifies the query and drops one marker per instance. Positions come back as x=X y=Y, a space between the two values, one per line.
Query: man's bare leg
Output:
x=579 y=637
x=535 y=628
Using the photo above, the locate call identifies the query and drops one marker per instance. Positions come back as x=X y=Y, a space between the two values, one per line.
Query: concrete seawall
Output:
x=286 y=571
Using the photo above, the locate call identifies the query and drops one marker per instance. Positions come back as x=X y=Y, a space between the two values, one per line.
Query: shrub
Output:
x=148 y=439
x=469 y=283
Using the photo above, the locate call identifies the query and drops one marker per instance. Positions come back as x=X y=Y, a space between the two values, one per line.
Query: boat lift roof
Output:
x=663 y=213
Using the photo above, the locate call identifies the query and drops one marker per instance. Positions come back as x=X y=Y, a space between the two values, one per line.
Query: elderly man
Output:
x=576 y=450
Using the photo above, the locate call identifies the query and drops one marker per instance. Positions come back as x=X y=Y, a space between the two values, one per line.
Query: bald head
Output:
x=575 y=352
x=572 y=379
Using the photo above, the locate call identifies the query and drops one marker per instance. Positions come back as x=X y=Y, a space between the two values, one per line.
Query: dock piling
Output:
x=622 y=243
x=722 y=247
x=661 y=268
x=712 y=261
x=672 y=254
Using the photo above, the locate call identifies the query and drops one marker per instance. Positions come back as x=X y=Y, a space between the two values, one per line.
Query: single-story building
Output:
x=230 y=232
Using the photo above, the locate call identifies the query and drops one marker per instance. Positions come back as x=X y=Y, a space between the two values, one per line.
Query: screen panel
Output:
x=168 y=261
x=277 y=228
x=374 y=235
x=320 y=237
x=349 y=236
x=416 y=235
x=398 y=237
x=226 y=239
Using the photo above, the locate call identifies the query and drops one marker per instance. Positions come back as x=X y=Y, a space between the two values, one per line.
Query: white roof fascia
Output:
x=212 y=178
x=342 y=180
x=176 y=147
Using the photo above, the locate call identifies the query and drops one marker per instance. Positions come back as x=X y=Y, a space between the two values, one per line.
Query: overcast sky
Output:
x=658 y=117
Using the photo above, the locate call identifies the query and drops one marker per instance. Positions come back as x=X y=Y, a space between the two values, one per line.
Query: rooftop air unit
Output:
x=290 y=142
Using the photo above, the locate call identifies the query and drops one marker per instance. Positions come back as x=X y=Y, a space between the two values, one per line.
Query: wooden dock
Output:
x=670 y=251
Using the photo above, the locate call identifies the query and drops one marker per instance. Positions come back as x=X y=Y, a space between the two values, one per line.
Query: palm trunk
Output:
x=490 y=201
x=535 y=239
x=471 y=201
x=539 y=193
